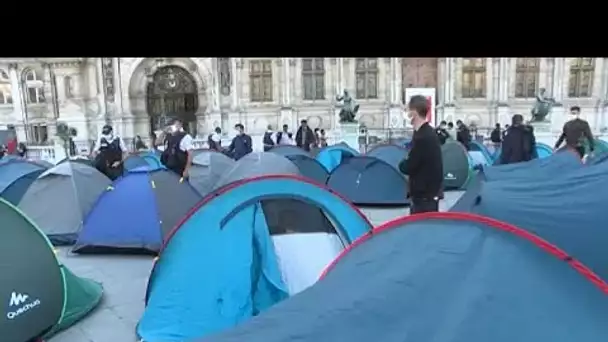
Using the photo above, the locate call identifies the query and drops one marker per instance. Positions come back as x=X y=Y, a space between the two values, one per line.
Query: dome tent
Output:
x=331 y=156
x=229 y=226
x=150 y=159
x=279 y=213
x=480 y=154
x=391 y=154
x=136 y=213
x=405 y=275
x=369 y=181
x=208 y=166
x=43 y=296
x=457 y=168
x=78 y=159
x=77 y=185
x=16 y=176
x=289 y=150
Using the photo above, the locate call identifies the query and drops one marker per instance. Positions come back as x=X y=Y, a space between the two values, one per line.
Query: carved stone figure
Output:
x=542 y=107
x=349 y=108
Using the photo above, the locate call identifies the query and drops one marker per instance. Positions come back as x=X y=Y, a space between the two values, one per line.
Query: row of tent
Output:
x=223 y=264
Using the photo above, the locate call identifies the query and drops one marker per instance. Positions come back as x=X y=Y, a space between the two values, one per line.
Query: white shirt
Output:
x=285 y=140
x=186 y=143
x=110 y=139
x=214 y=137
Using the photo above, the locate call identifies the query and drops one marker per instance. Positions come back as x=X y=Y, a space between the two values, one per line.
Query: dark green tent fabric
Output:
x=83 y=295
x=456 y=166
x=601 y=146
x=43 y=296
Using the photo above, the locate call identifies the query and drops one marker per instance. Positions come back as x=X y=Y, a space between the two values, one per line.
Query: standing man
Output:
x=284 y=137
x=268 y=139
x=496 y=137
x=519 y=143
x=214 y=140
x=241 y=145
x=463 y=135
x=109 y=152
x=575 y=132
x=442 y=132
x=424 y=165
x=305 y=136
x=177 y=155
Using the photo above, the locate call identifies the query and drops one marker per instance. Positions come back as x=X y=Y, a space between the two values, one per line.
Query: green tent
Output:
x=601 y=146
x=456 y=165
x=43 y=296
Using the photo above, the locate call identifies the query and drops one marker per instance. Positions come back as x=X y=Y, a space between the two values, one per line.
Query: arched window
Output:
x=366 y=74
x=581 y=77
x=6 y=96
x=35 y=86
x=473 y=78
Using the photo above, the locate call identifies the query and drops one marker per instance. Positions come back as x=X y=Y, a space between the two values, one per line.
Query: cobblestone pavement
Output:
x=125 y=277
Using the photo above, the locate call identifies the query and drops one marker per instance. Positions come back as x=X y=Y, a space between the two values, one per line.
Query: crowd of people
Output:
x=517 y=142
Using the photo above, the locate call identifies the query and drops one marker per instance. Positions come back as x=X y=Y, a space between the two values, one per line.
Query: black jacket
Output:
x=442 y=134
x=496 y=136
x=310 y=138
x=424 y=164
x=240 y=146
x=575 y=132
x=463 y=135
x=518 y=145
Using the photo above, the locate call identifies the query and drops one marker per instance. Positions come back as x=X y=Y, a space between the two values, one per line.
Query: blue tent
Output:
x=369 y=181
x=441 y=277
x=136 y=213
x=289 y=150
x=477 y=148
x=391 y=154
x=568 y=211
x=150 y=159
x=331 y=156
x=219 y=267
x=16 y=176
x=551 y=166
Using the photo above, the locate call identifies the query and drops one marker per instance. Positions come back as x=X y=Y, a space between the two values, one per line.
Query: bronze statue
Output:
x=349 y=108
x=542 y=107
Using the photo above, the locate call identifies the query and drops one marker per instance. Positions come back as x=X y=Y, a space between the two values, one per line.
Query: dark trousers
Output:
x=423 y=205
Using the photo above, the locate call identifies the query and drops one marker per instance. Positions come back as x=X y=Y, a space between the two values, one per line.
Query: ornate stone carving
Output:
x=12 y=66
x=240 y=62
x=107 y=67
x=292 y=62
x=333 y=61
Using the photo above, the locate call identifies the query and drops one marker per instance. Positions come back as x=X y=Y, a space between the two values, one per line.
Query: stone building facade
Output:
x=138 y=95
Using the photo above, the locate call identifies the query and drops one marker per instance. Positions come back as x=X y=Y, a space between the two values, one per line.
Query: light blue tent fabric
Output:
x=475 y=149
x=568 y=211
x=148 y=158
x=543 y=150
x=391 y=154
x=14 y=179
x=331 y=156
x=219 y=268
x=551 y=166
x=450 y=279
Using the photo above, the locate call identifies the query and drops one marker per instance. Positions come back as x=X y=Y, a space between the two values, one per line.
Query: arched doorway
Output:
x=172 y=93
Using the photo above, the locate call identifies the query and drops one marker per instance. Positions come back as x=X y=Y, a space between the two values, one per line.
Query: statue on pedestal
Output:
x=349 y=108
x=542 y=107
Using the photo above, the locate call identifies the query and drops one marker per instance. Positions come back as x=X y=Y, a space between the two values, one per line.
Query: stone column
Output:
x=559 y=73
x=50 y=90
x=543 y=77
x=117 y=86
x=504 y=81
x=340 y=75
x=285 y=91
x=101 y=91
x=392 y=65
x=16 y=92
x=395 y=111
x=215 y=91
x=235 y=82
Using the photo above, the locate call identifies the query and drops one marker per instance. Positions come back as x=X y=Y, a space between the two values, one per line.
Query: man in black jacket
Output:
x=463 y=134
x=519 y=143
x=424 y=165
x=575 y=132
x=305 y=137
x=442 y=132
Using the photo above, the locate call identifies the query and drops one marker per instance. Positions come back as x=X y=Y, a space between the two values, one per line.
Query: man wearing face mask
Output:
x=442 y=132
x=424 y=164
x=177 y=155
x=109 y=152
x=575 y=132
x=242 y=144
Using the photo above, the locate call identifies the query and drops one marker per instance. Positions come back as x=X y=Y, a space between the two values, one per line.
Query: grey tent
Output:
x=208 y=167
x=279 y=212
x=259 y=164
x=61 y=197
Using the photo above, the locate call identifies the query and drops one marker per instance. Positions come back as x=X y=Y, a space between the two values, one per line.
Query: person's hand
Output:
x=185 y=174
x=115 y=164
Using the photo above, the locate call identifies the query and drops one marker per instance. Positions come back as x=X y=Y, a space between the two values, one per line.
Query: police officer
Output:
x=177 y=155
x=269 y=139
x=109 y=152
x=214 y=140
x=575 y=132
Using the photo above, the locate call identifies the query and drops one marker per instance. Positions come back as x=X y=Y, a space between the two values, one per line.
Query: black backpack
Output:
x=172 y=157
x=268 y=143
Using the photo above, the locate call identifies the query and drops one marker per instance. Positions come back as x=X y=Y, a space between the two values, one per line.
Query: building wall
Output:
x=87 y=92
